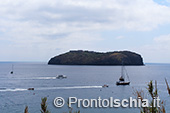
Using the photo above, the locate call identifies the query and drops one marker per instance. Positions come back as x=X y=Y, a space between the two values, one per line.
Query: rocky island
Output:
x=81 y=57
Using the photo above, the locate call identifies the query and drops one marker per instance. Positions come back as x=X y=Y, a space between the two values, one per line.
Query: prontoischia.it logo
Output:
x=105 y=103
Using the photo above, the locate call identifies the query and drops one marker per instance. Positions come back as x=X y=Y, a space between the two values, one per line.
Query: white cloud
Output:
x=163 y=39
x=158 y=51
x=120 y=37
x=167 y=0
x=44 y=25
x=85 y=14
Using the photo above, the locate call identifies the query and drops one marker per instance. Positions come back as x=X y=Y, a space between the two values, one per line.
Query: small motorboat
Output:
x=30 y=88
x=104 y=86
x=61 y=76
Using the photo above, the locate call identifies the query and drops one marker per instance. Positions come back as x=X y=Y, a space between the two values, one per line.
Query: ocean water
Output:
x=83 y=82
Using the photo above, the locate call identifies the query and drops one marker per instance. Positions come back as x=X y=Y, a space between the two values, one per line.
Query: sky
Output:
x=36 y=30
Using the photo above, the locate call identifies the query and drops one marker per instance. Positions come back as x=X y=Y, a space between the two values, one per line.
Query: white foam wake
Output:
x=49 y=88
x=44 y=78
x=32 y=78
x=13 y=89
x=73 y=87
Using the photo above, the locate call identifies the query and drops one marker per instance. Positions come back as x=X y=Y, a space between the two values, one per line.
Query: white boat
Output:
x=61 y=76
x=122 y=77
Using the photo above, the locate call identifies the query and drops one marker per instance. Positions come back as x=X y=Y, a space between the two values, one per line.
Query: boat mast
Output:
x=12 y=69
x=123 y=73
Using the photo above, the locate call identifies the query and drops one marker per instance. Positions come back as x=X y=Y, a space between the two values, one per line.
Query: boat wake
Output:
x=43 y=78
x=49 y=88
x=32 y=78
x=12 y=89
x=73 y=87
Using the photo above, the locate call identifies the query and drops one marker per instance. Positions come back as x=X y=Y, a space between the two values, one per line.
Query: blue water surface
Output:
x=83 y=82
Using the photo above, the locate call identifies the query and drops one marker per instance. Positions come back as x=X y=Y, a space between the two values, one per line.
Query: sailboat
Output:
x=122 y=77
x=12 y=69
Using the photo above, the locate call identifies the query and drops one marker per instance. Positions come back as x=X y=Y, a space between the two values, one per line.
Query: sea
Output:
x=82 y=82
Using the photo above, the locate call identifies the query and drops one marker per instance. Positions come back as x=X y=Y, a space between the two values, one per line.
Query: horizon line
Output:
x=47 y=62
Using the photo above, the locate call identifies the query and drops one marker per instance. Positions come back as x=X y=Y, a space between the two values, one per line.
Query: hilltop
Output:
x=81 y=57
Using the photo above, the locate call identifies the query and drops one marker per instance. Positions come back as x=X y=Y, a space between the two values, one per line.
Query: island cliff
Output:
x=96 y=58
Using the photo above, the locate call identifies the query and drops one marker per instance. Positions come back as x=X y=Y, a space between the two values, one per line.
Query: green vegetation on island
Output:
x=81 y=57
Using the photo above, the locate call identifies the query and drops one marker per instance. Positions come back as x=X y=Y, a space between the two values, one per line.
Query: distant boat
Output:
x=12 y=69
x=104 y=86
x=122 y=77
x=30 y=89
x=61 y=76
